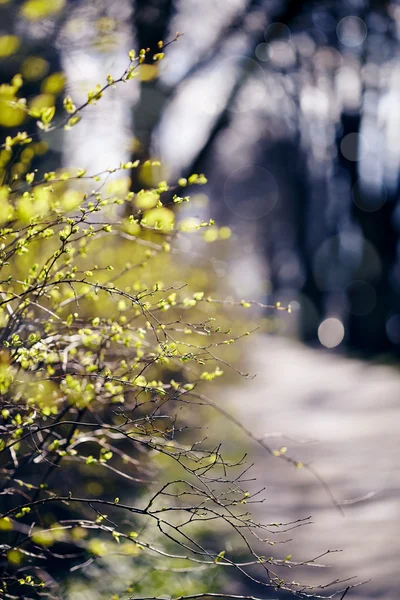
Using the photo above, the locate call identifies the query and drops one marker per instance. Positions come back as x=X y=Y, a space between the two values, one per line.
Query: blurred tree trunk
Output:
x=151 y=21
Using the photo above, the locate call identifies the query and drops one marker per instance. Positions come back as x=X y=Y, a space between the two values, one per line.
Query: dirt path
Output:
x=346 y=414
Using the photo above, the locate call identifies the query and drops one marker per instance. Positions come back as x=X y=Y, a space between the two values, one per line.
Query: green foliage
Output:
x=103 y=361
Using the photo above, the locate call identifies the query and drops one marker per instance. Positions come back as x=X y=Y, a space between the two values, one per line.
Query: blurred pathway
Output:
x=345 y=417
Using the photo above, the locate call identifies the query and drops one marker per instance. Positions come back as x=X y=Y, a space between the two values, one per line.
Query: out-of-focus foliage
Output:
x=107 y=341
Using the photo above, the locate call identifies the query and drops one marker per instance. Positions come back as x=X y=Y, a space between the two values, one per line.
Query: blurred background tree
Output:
x=288 y=106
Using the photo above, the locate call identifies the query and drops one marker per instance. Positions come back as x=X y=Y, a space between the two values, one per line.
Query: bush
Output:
x=106 y=486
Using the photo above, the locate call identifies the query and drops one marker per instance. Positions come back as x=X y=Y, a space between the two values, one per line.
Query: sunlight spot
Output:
x=331 y=333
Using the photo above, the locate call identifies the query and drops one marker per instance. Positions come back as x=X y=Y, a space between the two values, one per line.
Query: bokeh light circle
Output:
x=331 y=332
x=368 y=196
x=277 y=31
x=354 y=146
x=393 y=328
x=262 y=52
x=352 y=31
x=282 y=54
x=251 y=192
